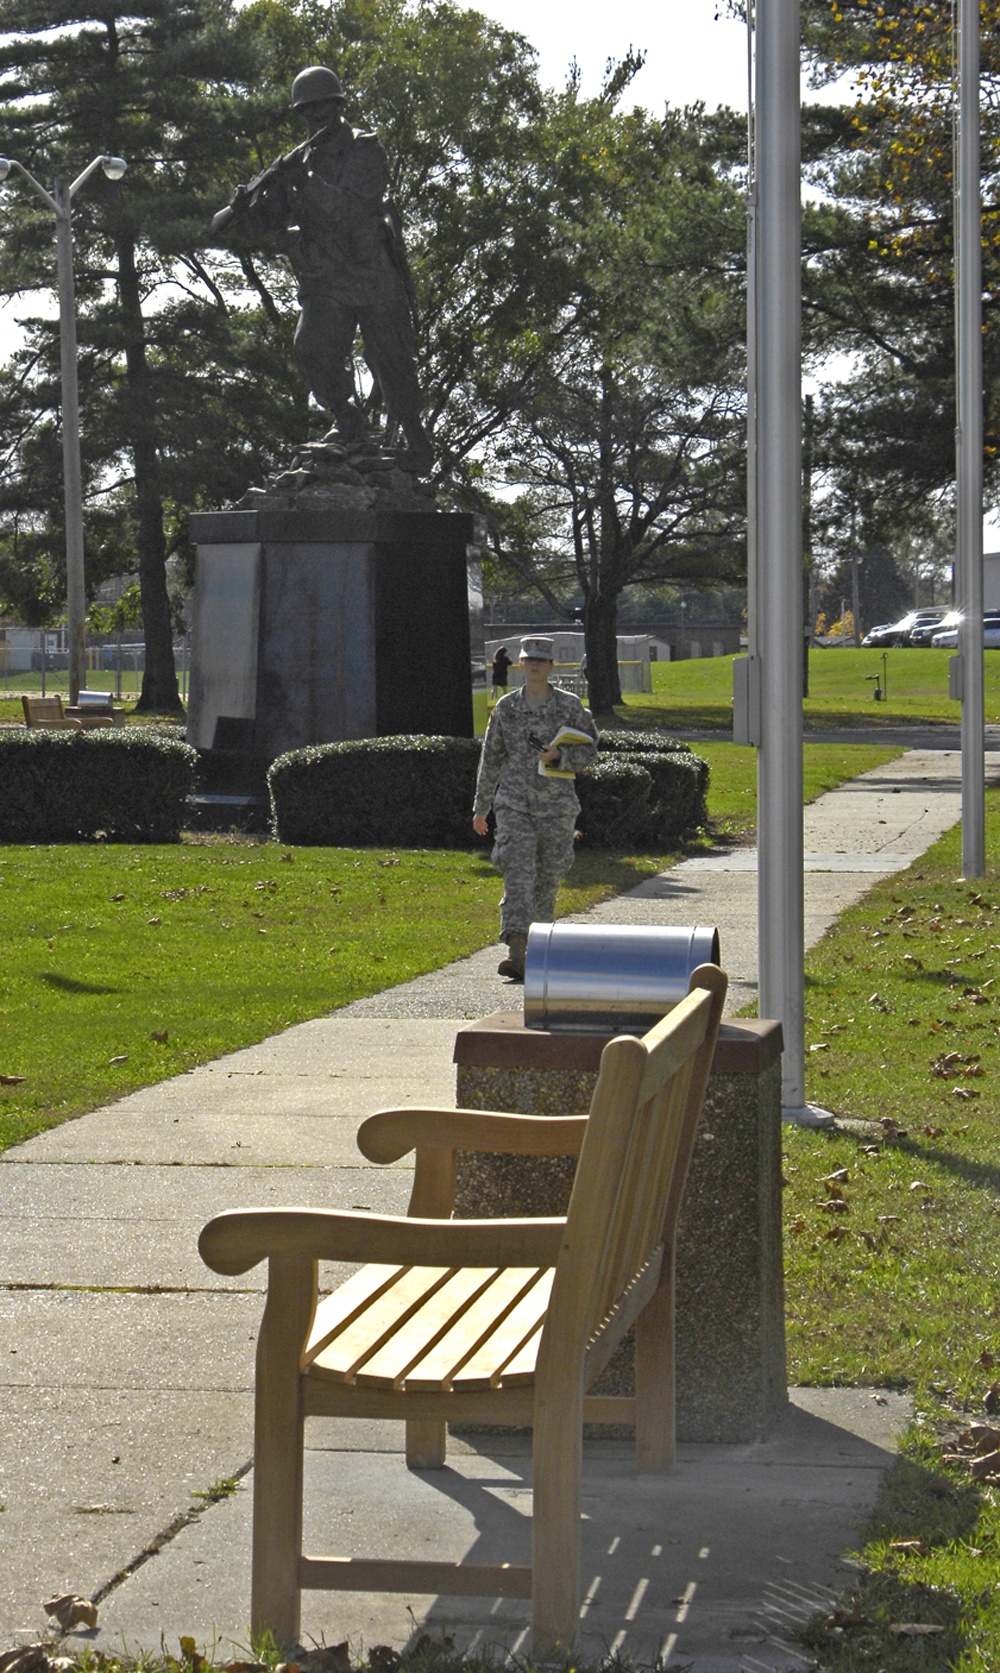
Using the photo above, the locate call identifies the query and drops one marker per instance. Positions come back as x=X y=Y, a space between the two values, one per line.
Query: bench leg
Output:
x=426 y=1443
x=279 y=1433
x=555 y=1532
x=655 y=1423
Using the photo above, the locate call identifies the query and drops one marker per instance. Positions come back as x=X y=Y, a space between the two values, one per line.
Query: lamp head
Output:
x=4 y=168
x=114 y=167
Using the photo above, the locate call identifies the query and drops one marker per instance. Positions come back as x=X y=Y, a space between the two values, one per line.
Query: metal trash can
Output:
x=589 y=978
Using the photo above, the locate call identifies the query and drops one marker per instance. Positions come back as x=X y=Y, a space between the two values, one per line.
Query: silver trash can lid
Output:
x=617 y=978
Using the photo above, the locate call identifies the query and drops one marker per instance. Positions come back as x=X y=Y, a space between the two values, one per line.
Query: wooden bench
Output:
x=48 y=712
x=484 y=1321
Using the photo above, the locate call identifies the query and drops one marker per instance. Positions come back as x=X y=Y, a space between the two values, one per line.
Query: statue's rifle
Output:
x=247 y=198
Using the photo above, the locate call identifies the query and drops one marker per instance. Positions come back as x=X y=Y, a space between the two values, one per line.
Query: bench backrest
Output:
x=633 y=1165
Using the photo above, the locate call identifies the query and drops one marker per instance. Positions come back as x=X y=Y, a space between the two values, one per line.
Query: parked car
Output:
x=947 y=639
x=923 y=633
x=899 y=633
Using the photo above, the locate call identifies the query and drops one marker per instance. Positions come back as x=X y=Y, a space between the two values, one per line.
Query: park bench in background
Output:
x=50 y=713
x=506 y=1321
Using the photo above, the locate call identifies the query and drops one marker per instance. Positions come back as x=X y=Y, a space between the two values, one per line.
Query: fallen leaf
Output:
x=909 y=1547
x=833 y=1205
x=160 y=1035
x=326 y=1658
x=987 y=1464
x=25 y=1657
x=914 y=1629
x=12 y=1080
x=919 y=1185
x=71 y=1611
x=991 y=1399
x=841 y=1177
x=836 y=1233
x=383 y=1658
x=122 y=1059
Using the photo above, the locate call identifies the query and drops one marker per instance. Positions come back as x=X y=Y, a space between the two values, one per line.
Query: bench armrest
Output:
x=238 y=1239
x=389 y=1134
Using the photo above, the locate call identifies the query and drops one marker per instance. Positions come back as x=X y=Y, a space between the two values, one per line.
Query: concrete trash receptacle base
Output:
x=730 y=1329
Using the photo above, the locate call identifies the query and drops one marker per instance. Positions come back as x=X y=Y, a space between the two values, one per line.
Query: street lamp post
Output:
x=60 y=201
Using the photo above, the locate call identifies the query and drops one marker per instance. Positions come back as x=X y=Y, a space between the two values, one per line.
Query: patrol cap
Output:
x=538 y=646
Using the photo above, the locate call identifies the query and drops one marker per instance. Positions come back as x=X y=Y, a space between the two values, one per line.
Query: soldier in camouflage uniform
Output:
x=535 y=816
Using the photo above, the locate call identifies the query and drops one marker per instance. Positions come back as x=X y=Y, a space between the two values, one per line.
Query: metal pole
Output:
x=969 y=441
x=76 y=603
x=779 y=541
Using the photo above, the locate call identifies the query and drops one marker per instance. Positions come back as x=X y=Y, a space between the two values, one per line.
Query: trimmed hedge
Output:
x=614 y=803
x=120 y=783
x=631 y=743
x=402 y=792
x=417 y=792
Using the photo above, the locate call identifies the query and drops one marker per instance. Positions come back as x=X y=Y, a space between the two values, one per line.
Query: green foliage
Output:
x=636 y=741
x=114 y=783
x=879 y=269
x=675 y=806
x=420 y=789
x=615 y=800
x=413 y=790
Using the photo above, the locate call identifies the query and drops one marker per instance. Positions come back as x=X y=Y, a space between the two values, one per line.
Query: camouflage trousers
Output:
x=532 y=856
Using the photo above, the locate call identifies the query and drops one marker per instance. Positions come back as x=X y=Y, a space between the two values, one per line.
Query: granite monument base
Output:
x=312 y=626
x=730 y=1327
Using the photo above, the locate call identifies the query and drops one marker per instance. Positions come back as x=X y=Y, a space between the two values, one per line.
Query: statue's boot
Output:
x=419 y=456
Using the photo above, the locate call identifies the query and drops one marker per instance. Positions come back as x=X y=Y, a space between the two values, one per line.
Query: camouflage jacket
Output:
x=508 y=768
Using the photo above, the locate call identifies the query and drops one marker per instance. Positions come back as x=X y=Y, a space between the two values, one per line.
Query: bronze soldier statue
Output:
x=325 y=203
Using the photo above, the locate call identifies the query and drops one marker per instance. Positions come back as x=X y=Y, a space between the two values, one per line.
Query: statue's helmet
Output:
x=314 y=84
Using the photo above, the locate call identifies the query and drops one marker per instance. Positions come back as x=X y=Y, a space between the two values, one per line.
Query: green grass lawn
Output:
x=891 y=1249
x=125 y=965
x=699 y=693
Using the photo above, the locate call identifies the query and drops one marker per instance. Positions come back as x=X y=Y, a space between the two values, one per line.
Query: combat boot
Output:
x=513 y=964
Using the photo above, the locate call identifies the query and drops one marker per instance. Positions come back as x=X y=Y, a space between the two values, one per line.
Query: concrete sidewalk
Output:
x=127 y=1366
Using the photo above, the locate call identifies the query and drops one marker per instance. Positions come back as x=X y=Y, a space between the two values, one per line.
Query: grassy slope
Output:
x=840 y=693
x=898 y=1283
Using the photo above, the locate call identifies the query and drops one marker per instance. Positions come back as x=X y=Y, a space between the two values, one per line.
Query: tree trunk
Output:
x=600 y=638
x=160 y=692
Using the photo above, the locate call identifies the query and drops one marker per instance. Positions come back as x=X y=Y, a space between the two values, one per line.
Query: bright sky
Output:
x=693 y=50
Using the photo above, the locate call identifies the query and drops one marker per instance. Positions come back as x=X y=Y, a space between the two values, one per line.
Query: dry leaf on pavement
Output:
x=72 y=1611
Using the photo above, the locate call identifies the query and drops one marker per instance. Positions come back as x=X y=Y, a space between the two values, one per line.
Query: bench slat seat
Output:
x=503 y=1322
x=429 y=1327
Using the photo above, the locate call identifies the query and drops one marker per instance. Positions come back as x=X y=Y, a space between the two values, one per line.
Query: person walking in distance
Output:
x=499 y=672
x=537 y=739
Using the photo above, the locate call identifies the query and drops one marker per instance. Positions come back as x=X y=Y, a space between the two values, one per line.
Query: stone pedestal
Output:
x=731 y=1377
x=312 y=626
